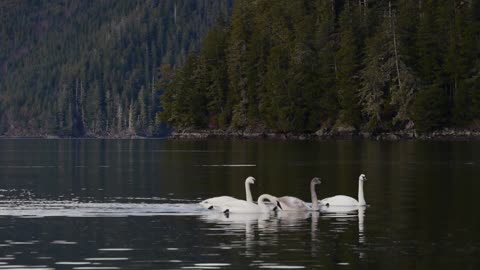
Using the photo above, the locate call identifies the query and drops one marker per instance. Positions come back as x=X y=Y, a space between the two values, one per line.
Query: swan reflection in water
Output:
x=260 y=229
x=345 y=215
x=263 y=229
x=346 y=212
x=235 y=224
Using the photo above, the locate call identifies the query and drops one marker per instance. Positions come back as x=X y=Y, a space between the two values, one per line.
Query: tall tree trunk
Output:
x=392 y=25
x=130 y=118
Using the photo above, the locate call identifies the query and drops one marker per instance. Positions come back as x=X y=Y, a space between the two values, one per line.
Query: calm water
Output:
x=131 y=204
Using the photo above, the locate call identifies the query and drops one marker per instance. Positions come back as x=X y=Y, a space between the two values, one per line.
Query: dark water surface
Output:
x=132 y=204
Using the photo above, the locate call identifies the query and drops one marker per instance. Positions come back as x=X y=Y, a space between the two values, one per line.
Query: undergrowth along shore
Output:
x=327 y=134
x=322 y=134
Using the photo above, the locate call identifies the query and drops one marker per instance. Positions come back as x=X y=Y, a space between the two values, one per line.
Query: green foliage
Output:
x=431 y=109
x=348 y=57
x=294 y=66
x=280 y=69
x=378 y=75
x=214 y=67
x=76 y=68
x=184 y=102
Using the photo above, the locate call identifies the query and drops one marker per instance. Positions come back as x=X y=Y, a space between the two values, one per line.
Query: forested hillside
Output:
x=301 y=66
x=90 y=68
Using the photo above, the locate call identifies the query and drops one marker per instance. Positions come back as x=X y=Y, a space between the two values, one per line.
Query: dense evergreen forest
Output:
x=307 y=65
x=90 y=68
x=123 y=68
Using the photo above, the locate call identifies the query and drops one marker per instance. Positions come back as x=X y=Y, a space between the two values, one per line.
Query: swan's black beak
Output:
x=279 y=205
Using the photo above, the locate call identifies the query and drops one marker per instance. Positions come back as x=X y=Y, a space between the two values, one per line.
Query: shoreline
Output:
x=444 y=134
x=344 y=133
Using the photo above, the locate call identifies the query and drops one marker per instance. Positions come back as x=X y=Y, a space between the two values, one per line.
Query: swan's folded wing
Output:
x=292 y=203
x=216 y=201
x=238 y=206
x=339 y=200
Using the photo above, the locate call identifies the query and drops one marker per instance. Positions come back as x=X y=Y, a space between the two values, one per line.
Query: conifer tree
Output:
x=348 y=56
x=215 y=68
x=388 y=85
x=430 y=109
x=236 y=58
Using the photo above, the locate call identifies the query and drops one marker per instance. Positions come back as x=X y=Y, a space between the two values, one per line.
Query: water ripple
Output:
x=40 y=208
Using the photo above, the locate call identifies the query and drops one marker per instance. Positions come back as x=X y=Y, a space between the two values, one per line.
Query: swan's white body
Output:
x=342 y=200
x=289 y=203
x=208 y=203
x=240 y=206
x=339 y=209
x=216 y=200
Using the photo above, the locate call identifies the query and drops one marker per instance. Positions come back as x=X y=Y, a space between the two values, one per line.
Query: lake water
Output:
x=132 y=204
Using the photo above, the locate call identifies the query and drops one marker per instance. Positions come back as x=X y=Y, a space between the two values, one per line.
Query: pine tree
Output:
x=388 y=85
x=237 y=65
x=430 y=109
x=379 y=68
x=183 y=100
x=348 y=68
x=403 y=91
x=322 y=101
x=460 y=60
x=213 y=57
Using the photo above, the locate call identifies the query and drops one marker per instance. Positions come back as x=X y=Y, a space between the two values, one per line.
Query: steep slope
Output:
x=80 y=68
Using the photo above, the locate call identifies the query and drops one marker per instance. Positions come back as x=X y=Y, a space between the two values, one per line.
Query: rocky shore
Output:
x=339 y=133
x=321 y=134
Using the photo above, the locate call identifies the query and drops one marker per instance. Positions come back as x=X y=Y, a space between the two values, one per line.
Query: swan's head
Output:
x=362 y=177
x=250 y=180
x=316 y=181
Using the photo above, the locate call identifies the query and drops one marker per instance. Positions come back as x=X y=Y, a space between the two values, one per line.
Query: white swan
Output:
x=289 y=203
x=342 y=200
x=240 y=206
x=207 y=204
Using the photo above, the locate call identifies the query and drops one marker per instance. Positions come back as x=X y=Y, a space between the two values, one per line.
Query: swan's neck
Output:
x=248 y=192
x=314 y=197
x=361 y=197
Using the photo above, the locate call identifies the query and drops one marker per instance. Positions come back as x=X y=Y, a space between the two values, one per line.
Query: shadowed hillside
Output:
x=76 y=68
